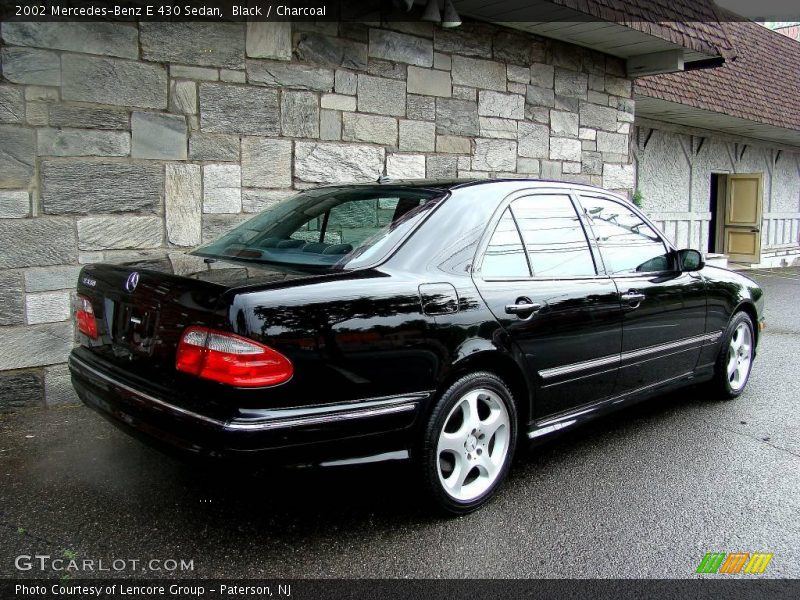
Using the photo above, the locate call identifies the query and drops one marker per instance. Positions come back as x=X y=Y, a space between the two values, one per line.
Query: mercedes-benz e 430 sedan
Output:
x=443 y=321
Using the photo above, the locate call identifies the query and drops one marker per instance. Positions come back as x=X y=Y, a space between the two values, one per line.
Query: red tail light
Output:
x=84 y=316
x=230 y=359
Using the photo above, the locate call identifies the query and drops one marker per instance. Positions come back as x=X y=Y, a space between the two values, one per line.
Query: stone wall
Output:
x=119 y=141
x=673 y=173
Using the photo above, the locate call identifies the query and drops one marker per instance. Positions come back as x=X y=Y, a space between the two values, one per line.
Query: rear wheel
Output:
x=735 y=358
x=467 y=443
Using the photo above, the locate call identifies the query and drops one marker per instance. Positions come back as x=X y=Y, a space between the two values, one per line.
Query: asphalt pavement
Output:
x=644 y=493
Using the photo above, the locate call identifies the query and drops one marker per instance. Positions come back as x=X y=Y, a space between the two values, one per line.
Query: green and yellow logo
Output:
x=734 y=562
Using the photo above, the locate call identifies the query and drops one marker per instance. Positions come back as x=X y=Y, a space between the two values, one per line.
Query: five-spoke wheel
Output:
x=735 y=357
x=473 y=444
x=740 y=355
x=467 y=443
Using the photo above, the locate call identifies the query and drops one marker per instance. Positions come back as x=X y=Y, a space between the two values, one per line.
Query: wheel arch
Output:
x=506 y=368
x=749 y=308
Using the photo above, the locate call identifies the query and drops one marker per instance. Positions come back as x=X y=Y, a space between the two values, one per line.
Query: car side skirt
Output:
x=563 y=422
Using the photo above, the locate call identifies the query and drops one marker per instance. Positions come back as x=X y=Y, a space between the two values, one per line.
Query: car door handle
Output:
x=632 y=297
x=523 y=306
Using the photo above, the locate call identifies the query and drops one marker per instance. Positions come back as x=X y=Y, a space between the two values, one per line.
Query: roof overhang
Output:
x=657 y=109
x=645 y=54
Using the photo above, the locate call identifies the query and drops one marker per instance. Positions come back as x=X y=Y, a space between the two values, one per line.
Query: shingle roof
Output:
x=692 y=24
x=762 y=84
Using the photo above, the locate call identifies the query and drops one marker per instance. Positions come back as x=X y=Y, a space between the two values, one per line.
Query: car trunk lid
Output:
x=142 y=308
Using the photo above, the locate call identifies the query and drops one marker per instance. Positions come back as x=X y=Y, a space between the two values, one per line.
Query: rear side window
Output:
x=626 y=242
x=553 y=236
x=505 y=256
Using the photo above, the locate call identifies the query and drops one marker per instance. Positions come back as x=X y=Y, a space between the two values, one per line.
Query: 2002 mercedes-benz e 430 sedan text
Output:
x=440 y=320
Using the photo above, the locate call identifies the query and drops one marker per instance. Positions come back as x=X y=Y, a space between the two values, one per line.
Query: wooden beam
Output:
x=647 y=136
x=687 y=153
x=699 y=144
x=731 y=155
x=769 y=159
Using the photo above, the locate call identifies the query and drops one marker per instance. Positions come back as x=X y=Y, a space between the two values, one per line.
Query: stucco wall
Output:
x=673 y=175
x=119 y=141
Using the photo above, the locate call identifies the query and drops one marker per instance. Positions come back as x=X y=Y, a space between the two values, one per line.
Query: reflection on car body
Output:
x=437 y=320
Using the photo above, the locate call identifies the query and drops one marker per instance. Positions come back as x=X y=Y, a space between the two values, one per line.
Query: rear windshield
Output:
x=327 y=228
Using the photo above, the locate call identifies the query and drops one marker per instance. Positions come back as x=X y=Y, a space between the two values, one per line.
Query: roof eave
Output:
x=651 y=107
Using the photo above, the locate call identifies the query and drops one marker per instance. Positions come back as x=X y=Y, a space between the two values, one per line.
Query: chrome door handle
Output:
x=632 y=297
x=522 y=307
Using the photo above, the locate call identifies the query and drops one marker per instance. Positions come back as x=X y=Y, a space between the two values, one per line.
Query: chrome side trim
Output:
x=564 y=420
x=579 y=366
x=569 y=419
x=588 y=365
x=396 y=455
x=401 y=405
x=365 y=410
x=690 y=341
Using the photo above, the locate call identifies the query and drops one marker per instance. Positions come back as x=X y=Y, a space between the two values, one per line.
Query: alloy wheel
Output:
x=740 y=356
x=473 y=445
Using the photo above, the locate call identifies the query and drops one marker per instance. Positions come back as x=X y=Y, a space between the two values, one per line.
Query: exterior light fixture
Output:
x=450 y=18
x=432 y=12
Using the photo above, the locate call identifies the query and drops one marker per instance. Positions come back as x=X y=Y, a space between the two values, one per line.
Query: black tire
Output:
x=428 y=462
x=721 y=384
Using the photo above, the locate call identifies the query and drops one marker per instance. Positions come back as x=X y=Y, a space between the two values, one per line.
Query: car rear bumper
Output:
x=308 y=434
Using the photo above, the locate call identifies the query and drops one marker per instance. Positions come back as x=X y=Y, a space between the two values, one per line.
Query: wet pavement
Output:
x=644 y=493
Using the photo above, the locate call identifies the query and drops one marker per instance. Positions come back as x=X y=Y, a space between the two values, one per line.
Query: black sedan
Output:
x=442 y=321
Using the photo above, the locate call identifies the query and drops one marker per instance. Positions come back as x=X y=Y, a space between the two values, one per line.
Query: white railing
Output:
x=684 y=229
x=690 y=230
x=780 y=229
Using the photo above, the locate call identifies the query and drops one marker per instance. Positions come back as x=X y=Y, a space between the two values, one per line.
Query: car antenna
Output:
x=384 y=178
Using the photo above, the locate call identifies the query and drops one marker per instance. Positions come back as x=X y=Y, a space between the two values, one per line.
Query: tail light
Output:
x=230 y=359
x=84 y=316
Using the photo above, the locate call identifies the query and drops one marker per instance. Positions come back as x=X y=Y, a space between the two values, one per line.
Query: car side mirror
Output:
x=690 y=260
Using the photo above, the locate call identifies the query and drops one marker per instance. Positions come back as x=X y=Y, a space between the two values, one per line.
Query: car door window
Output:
x=627 y=244
x=505 y=256
x=553 y=235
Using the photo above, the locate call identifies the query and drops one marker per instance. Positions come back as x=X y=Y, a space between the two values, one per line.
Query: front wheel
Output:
x=735 y=358
x=467 y=443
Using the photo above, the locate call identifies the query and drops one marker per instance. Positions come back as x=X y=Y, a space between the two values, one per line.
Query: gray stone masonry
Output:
x=158 y=136
x=328 y=50
x=266 y=39
x=399 y=47
x=238 y=109
x=183 y=204
x=211 y=44
x=113 y=81
x=125 y=140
